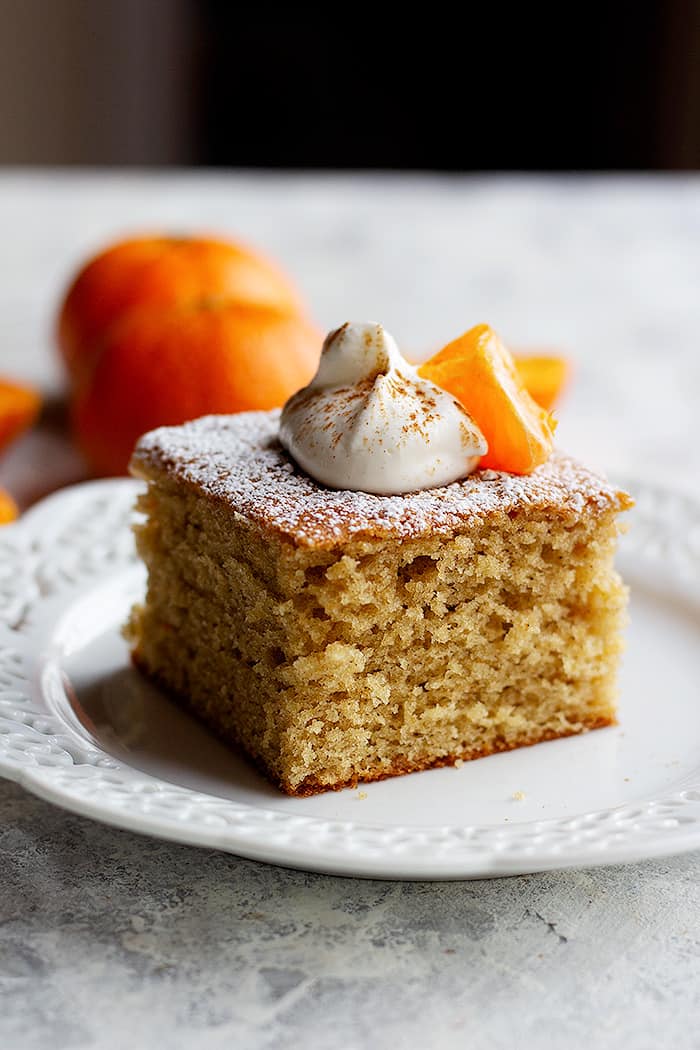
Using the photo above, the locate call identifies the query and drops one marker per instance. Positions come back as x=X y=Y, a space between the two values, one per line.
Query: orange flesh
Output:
x=8 y=508
x=19 y=407
x=480 y=372
x=544 y=377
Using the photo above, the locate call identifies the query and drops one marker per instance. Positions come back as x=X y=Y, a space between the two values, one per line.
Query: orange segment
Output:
x=544 y=377
x=480 y=372
x=8 y=508
x=19 y=407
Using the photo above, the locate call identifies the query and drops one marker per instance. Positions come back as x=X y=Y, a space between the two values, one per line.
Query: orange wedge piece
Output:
x=544 y=377
x=480 y=372
x=8 y=508
x=19 y=407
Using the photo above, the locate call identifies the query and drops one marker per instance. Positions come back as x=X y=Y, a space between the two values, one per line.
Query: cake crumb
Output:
x=362 y=795
x=459 y=762
x=518 y=796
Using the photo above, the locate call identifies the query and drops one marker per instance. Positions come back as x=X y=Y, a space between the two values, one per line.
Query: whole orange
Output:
x=162 y=271
x=159 y=367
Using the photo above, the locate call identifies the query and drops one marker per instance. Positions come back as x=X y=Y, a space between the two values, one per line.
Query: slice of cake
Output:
x=337 y=636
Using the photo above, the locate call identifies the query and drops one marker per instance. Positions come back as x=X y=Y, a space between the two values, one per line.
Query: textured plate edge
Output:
x=363 y=869
x=464 y=869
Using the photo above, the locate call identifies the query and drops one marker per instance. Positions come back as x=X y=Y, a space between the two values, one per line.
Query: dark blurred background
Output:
x=479 y=87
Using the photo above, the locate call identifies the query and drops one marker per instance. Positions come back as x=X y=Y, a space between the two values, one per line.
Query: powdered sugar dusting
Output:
x=239 y=461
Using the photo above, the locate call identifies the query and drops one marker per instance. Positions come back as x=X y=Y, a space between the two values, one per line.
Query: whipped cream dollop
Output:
x=369 y=423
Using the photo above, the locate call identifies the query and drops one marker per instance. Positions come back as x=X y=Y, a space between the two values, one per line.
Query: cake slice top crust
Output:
x=238 y=461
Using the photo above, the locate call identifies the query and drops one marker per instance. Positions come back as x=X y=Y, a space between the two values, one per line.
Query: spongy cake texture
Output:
x=336 y=637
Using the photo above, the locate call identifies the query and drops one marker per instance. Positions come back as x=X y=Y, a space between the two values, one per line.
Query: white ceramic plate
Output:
x=80 y=728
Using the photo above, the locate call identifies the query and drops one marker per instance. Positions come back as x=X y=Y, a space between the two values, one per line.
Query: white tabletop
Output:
x=108 y=940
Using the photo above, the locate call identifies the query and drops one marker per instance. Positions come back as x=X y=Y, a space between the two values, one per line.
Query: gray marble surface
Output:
x=108 y=940
x=112 y=941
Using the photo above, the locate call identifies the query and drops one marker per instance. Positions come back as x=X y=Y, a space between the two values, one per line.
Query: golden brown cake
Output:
x=337 y=636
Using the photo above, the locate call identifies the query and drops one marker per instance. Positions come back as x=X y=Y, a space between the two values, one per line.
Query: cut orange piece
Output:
x=480 y=372
x=8 y=508
x=19 y=407
x=544 y=377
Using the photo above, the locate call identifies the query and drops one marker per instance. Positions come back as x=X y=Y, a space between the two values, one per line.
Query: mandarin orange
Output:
x=162 y=271
x=161 y=367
